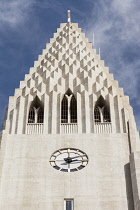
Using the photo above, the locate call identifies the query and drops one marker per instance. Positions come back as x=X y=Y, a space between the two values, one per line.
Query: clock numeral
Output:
x=80 y=167
x=64 y=170
x=56 y=167
x=85 y=160
x=54 y=155
x=72 y=170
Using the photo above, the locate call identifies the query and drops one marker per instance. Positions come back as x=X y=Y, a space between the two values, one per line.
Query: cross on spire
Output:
x=69 y=18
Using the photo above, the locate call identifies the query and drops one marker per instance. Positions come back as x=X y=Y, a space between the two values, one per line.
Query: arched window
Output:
x=69 y=108
x=106 y=115
x=40 y=116
x=31 y=117
x=97 y=116
x=101 y=112
x=64 y=110
x=73 y=110
x=36 y=112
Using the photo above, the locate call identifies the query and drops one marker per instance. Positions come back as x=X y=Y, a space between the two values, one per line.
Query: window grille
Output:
x=73 y=110
x=101 y=114
x=40 y=115
x=106 y=115
x=64 y=110
x=31 y=117
x=97 y=116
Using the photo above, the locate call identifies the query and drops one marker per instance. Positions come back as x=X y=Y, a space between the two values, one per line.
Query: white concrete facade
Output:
x=110 y=181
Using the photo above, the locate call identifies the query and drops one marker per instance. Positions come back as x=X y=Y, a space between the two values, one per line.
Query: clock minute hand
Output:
x=83 y=160
x=76 y=160
x=76 y=157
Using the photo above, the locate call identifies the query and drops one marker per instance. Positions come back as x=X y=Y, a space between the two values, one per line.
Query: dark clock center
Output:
x=68 y=160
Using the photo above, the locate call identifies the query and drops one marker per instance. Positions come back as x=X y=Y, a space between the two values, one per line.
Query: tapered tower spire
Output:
x=69 y=18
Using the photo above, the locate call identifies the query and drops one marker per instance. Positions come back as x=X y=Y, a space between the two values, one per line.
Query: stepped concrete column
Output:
x=46 y=113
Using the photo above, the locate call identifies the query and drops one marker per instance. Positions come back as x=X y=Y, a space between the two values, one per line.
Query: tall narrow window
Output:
x=68 y=204
x=64 y=110
x=40 y=116
x=31 y=117
x=36 y=112
x=101 y=113
x=69 y=108
x=106 y=115
x=73 y=110
x=97 y=116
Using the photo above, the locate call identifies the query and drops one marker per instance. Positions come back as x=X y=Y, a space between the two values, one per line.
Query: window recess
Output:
x=69 y=113
x=35 y=117
x=68 y=204
x=69 y=108
x=102 y=120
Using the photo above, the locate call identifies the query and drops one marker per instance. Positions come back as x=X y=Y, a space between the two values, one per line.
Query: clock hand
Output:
x=75 y=156
x=63 y=163
x=83 y=160
x=68 y=160
x=75 y=160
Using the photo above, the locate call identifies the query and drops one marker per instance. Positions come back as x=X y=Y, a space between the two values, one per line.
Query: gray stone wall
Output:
x=28 y=180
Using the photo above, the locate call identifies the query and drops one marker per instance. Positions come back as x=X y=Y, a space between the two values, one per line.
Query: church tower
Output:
x=70 y=140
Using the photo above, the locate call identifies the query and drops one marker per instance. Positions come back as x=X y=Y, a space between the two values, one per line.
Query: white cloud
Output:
x=117 y=32
x=128 y=12
x=14 y=11
x=121 y=16
x=116 y=27
x=128 y=79
x=122 y=7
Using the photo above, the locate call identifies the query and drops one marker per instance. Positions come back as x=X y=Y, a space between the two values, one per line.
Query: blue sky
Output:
x=26 y=26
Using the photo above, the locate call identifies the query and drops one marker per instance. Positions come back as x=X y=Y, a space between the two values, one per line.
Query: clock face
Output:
x=69 y=160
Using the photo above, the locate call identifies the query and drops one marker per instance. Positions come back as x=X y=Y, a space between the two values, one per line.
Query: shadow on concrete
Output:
x=129 y=191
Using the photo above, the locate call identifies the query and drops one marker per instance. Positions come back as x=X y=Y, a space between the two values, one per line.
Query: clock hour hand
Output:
x=63 y=163
x=83 y=160
x=69 y=160
x=76 y=160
